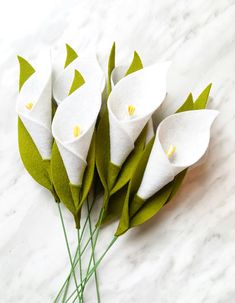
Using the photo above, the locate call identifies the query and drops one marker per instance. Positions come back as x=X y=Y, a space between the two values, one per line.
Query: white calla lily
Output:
x=117 y=74
x=34 y=105
x=181 y=141
x=131 y=105
x=87 y=66
x=73 y=127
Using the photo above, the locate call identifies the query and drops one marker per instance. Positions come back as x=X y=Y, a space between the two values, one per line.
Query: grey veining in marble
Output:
x=186 y=254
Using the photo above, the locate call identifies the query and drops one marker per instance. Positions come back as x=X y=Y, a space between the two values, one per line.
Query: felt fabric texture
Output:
x=80 y=108
x=146 y=90
x=36 y=90
x=189 y=132
x=87 y=65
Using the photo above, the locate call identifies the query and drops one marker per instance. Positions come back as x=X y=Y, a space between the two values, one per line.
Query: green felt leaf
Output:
x=75 y=191
x=136 y=64
x=187 y=105
x=103 y=148
x=123 y=225
x=132 y=188
x=127 y=170
x=177 y=183
x=71 y=55
x=113 y=171
x=61 y=181
x=26 y=71
x=152 y=206
x=111 y=66
x=131 y=163
x=202 y=100
x=31 y=158
x=139 y=172
x=115 y=205
x=89 y=172
x=78 y=81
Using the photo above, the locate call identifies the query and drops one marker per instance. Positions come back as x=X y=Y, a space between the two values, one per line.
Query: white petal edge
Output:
x=189 y=132
x=80 y=108
x=90 y=70
x=117 y=74
x=146 y=90
x=37 y=90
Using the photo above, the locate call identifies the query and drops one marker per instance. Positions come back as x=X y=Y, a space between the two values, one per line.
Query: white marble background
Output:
x=186 y=254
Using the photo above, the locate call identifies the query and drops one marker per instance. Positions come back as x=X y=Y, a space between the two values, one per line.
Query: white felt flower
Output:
x=131 y=105
x=181 y=141
x=117 y=74
x=73 y=127
x=87 y=66
x=34 y=105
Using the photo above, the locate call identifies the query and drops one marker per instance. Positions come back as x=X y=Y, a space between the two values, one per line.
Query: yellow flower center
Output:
x=171 y=150
x=131 y=110
x=29 y=105
x=76 y=131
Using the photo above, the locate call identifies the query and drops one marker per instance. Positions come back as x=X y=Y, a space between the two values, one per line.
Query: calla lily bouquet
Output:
x=71 y=140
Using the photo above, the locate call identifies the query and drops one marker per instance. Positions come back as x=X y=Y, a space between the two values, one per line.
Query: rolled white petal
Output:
x=145 y=90
x=80 y=109
x=189 y=132
x=117 y=74
x=37 y=91
x=88 y=66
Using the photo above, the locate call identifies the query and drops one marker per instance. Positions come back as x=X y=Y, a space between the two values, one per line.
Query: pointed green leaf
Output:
x=89 y=172
x=177 y=183
x=139 y=172
x=132 y=189
x=26 y=71
x=78 y=81
x=115 y=205
x=60 y=180
x=123 y=225
x=111 y=66
x=71 y=55
x=75 y=191
x=152 y=206
x=103 y=148
x=31 y=158
x=187 y=105
x=131 y=163
x=136 y=64
x=201 y=101
x=113 y=171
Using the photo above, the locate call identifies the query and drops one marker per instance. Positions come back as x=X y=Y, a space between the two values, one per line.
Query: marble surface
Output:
x=184 y=254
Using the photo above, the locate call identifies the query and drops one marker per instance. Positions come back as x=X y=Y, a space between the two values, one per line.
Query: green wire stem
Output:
x=80 y=263
x=93 y=252
x=68 y=249
x=87 y=278
x=67 y=280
